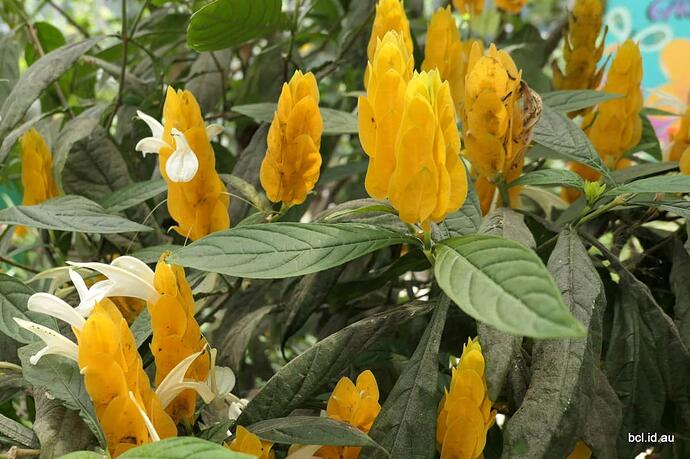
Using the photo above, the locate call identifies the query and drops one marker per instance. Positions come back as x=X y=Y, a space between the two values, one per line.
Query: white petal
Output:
x=55 y=342
x=53 y=306
x=79 y=284
x=174 y=383
x=182 y=164
x=126 y=283
x=150 y=145
x=134 y=265
x=153 y=124
x=236 y=409
x=212 y=130
x=225 y=380
x=305 y=452
x=147 y=421
x=96 y=293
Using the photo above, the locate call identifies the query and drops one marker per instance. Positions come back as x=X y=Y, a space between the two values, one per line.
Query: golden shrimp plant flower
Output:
x=380 y=111
x=581 y=52
x=465 y=414
x=177 y=344
x=247 y=442
x=472 y=7
x=356 y=404
x=443 y=51
x=197 y=198
x=511 y=6
x=390 y=16
x=616 y=126
x=681 y=138
x=291 y=166
x=37 y=171
x=429 y=179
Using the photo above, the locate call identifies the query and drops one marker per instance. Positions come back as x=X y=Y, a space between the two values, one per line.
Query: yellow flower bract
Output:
x=511 y=6
x=390 y=16
x=681 y=139
x=200 y=206
x=247 y=442
x=292 y=163
x=112 y=368
x=176 y=334
x=465 y=414
x=469 y=6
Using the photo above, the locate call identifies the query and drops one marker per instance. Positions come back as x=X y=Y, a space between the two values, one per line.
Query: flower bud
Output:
x=390 y=15
x=593 y=190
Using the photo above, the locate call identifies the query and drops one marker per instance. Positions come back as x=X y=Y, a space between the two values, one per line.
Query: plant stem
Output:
x=125 y=48
x=16 y=264
x=618 y=201
x=291 y=46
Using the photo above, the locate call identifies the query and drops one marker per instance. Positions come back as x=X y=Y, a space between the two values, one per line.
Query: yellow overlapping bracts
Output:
x=465 y=414
x=199 y=206
x=247 y=442
x=37 y=171
x=511 y=6
x=176 y=334
x=469 y=6
x=444 y=52
x=581 y=53
x=291 y=166
x=354 y=404
x=390 y=16
x=380 y=111
x=616 y=126
x=112 y=368
x=681 y=138
x=429 y=180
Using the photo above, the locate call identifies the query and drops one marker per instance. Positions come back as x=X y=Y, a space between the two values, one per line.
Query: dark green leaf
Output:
x=556 y=131
x=573 y=100
x=643 y=170
x=247 y=169
x=14 y=295
x=12 y=137
x=243 y=329
x=406 y=425
x=334 y=121
x=285 y=249
x=69 y=213
x=9 y=64
x=310 y=430
x=228 y=23
x=550 y=177
x=17 y=433
x=183 y=448
x=680 y=283
x=660 y=184
x=649 y=142
x=133 y=194
x=504 y=284
x=308 y=373
x=153 y=253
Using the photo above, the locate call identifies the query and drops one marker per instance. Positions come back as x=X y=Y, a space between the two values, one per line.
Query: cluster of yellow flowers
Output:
x=465 y=414
x=129 y=411
x=475 y=7
x=292 y=163
x=37 y=171
x=680 y=149
x=581 y=53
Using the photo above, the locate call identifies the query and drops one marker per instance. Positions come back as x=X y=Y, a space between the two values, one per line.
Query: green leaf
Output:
x=37 y=78
x=556 y=131
x=62 y=379
x=14 y=295
x=643 y=170
x=649 y=142
x=12 y=137
x=280 y=250
x=660 y=184
x=573 y=100
x=556 y=408
x=335 y=122
x=550 y=177
x=311 y=430
x=501 y=350
x=680 y=284
x=248 y=191
x=465 y=221
x=69 y=213
x=326 y=360
x=183 y=448
x=228 y=23
x=504 y=284
x=9 y=64
x=84 y=455
x=141 y=327
x=679 y=207
x=368 y=211
x=243 y=329
x=17 y=433
x=153 y=253
x=133 y=194
x=406 y=425
x=247 y=168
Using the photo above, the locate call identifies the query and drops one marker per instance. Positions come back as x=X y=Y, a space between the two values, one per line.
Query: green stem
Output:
x=618 y=201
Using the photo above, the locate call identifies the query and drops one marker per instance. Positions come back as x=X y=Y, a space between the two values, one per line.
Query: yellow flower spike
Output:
x=684 y=162
x=292 y=163
x=247 y=442
x=581 y=53
x=465 y=414
x=444 y=51
x=113 y=370
x=511 y=6
x=380 y=111
x=681 y=139
x=429 y=180
x=581 y=451
x=176 y=335
x=472 y=7
x=355 y=404
x=37 y=171
x=390 y=15
x=616 y=126
x=197 y=198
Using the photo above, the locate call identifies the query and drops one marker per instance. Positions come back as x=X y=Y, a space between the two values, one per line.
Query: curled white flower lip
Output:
x=129 y=276
x=182 y=165
x=51 y=305
x=175 y=382
x=88 y=297
x=212 y=130
x=54 y=341
x=147 y=421
x=155 y=143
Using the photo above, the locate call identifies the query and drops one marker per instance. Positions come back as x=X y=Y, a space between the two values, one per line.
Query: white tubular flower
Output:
x=155 y=143
x=174 y=383
x=304 y=452
x=129 y=276
x=51 y=305
x=183 y=163
x=147 y=421
x=54 y=341
x=88 y=297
